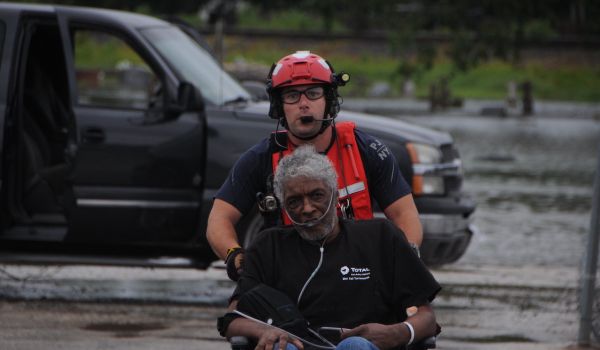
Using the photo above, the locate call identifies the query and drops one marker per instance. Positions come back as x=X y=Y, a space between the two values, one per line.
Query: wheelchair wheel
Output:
x=596 y=311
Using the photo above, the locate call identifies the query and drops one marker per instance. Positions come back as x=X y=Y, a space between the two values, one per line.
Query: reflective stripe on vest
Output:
x=352 y=179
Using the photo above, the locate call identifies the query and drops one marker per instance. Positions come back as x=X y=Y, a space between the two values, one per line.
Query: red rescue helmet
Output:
x=304 y=68
x=301 y=68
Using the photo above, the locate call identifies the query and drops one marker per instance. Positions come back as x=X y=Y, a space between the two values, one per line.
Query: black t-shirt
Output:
x=249 y=174
x=369 y=273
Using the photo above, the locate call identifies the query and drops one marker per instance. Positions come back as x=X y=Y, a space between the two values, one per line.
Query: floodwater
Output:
x=533 y=181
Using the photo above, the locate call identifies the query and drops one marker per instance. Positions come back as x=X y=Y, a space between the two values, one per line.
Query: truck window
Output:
x=109 y=73
x=194 y=64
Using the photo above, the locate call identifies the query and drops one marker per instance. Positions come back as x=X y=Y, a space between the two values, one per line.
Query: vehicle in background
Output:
x=117 y=129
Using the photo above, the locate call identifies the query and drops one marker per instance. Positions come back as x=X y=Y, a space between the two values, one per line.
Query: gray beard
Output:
x=319 y=231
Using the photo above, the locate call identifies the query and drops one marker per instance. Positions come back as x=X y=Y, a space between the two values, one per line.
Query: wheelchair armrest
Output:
x=242 y=343
x=423 y=344
x=239 y=343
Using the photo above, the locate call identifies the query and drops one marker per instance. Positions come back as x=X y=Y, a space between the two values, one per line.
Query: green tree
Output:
x=154 y=6
x=478 y=30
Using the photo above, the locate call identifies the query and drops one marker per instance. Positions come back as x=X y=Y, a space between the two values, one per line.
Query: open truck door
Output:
x=104 y=146
x=138 y=167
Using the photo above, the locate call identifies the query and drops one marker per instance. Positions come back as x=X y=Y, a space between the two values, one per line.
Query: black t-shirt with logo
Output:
x=369 y=273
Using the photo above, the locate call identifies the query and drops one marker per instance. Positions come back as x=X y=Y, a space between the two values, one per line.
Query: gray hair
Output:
x=304 y=162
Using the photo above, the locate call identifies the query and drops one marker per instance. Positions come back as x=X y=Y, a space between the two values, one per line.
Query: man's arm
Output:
x=390 y=336
x=403 y=213
x=389 y=188
x=266 y=336
x=220 y=230
x=236 y=197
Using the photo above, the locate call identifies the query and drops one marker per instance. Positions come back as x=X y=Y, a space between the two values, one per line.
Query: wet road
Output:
x=532 y=179
x=57 y=325
x=83 y=307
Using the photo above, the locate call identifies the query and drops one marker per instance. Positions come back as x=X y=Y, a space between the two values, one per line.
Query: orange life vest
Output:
x=353 y=188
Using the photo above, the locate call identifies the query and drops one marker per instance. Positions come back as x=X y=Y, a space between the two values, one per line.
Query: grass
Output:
x=364 y=69
x=95 y=50
x=551 y=81
x=568 y=80
x=284 y=20
x=573 y=79
x=567 y=83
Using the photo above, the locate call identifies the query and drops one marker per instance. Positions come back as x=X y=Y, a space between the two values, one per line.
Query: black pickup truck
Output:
x=118 y=128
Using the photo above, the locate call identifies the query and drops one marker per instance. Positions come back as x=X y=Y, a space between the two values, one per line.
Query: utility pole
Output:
x=588 y=275
x=218 y=13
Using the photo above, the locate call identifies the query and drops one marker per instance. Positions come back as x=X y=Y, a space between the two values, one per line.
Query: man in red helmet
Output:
x=304 y=99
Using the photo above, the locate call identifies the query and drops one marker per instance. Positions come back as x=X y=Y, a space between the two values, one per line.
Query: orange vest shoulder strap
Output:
x=352 y=179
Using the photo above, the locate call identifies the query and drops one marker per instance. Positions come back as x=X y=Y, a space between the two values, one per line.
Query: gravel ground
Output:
x=481 y=307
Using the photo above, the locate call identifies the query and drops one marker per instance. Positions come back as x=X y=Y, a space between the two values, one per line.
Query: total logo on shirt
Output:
x=355 y=273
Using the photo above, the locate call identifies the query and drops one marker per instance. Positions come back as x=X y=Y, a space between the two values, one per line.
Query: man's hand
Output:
x=272 y=336
x=266 y=335
x=383 y=336
x=421 y=318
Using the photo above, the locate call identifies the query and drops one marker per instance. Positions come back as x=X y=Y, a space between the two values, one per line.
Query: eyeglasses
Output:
x=293 y=96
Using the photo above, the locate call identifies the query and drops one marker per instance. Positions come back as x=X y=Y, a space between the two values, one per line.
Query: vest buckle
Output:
x=346 y=208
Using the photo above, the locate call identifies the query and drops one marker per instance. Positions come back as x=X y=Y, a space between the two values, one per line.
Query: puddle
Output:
x=124 y=330
x=508 y=338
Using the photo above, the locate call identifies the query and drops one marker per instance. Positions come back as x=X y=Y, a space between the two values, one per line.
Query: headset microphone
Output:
x=324 y=119
x=312 y=119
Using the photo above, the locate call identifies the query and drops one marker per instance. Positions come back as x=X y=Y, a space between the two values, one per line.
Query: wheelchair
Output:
x=243 y=343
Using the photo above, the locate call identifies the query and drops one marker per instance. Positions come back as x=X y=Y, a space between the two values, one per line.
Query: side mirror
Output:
x=188 y=99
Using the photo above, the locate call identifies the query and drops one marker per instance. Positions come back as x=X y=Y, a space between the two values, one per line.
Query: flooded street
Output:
x=532 y=179
x=90 y=307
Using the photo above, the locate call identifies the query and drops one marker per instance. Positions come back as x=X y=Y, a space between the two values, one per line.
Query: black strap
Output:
x=233 y=272
x=224 y=321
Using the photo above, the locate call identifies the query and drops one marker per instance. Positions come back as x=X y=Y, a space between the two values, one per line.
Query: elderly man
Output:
x=360 y=276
